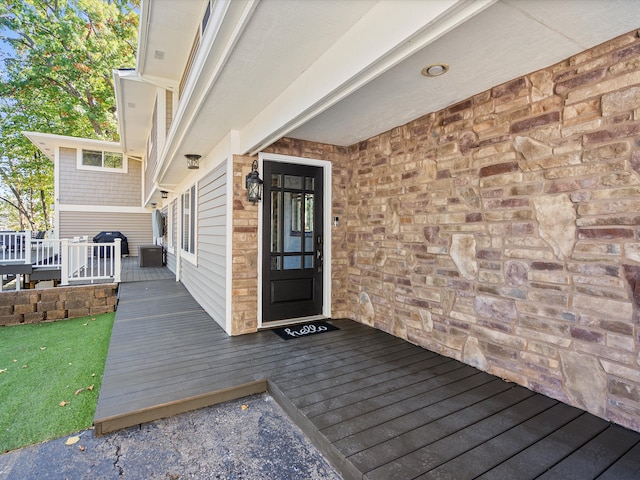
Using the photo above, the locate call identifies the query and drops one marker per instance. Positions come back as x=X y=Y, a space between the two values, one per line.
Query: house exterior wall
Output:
x=244 y=294
x=89 y=187
x=135 y=226
x=151 y=159
x=207 y=281
x=503 y=230
x=168 y=111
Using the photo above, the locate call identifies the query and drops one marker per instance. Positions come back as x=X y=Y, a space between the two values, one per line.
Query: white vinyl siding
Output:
x=207 y=281
x=135 y=226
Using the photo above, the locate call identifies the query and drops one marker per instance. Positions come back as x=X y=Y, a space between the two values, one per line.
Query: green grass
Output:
x=43 y=365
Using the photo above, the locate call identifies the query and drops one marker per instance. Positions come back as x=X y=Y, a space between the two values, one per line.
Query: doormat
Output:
x=304 y=330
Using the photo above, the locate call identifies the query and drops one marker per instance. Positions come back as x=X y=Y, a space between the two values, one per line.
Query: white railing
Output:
x=12 y=247
x=87 y=262
x=78 y=259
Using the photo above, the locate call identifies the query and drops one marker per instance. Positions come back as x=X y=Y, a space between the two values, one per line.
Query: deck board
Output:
x=376 y=406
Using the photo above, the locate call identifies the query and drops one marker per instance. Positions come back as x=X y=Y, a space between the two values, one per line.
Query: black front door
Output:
x=292 y=241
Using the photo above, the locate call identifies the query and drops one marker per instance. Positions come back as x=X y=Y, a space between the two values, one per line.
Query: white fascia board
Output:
x=238 y=13
x=143 y=35
x=118 y=78
x=49 y=142
x=388 y=34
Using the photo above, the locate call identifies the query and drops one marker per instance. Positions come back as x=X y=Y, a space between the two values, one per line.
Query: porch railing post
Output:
x=27 y=247
x=64 y=261
x=117 y=263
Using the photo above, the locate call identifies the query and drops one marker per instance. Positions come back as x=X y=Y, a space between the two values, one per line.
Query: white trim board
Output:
x=61 y=207
x=327 y=203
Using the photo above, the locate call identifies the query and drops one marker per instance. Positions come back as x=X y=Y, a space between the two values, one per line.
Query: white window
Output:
x=101 y=160
x=188 y=220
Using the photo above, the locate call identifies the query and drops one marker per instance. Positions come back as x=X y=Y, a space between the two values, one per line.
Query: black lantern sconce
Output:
x=193 y=161
x=164 y=194
x=254 y=184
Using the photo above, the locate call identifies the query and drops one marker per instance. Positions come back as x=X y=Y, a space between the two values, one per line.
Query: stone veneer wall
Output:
x=244 y=295
x=504 y=230
x=35 y=306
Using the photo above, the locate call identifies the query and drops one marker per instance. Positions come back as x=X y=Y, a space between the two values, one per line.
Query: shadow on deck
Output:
x=376 y=406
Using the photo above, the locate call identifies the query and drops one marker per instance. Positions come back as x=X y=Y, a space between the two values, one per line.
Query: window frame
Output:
x=189 y=216
x=81 y=166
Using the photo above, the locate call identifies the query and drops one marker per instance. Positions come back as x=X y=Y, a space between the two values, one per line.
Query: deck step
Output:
x=102 y=426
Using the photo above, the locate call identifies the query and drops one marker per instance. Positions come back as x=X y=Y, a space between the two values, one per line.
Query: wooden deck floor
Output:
x=131 y=271
x=377 y=407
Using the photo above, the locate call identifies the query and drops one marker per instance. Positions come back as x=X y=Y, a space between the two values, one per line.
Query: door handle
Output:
x=319 y=256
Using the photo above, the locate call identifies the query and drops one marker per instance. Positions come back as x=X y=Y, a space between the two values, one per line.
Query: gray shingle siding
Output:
x=88 y=187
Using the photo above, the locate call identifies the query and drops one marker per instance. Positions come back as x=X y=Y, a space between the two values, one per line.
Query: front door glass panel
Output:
x=292 y=222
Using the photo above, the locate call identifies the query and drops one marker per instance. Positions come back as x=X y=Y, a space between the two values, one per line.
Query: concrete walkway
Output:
x=225 y=441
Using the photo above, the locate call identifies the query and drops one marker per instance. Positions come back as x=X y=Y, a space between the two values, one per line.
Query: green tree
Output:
x=58 y=58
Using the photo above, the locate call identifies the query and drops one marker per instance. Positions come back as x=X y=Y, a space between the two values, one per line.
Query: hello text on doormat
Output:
x=304 y=330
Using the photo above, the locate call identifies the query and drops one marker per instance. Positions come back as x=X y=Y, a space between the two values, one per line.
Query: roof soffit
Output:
x=254 y=77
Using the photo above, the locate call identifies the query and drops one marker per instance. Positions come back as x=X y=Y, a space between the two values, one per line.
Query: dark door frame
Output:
x=326 y=269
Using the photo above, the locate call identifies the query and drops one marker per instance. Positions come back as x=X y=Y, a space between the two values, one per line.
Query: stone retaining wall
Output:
x=34 y=306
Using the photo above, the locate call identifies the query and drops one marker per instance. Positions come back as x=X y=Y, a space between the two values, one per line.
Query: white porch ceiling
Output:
x=342 y=71
x=503 y=42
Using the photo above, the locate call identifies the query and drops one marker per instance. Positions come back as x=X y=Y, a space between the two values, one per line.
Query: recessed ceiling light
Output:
x=435 y=70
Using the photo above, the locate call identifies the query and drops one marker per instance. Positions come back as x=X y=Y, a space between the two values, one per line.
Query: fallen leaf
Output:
x=14 y=360
x=244 y=407
x=72 y=440
x=93 y=319
x=3 y=370
x=82 y=448
x=43 y=348
x=25 y=366
x=85 y=324
x=93 y=374
x=90 y=388
x=63 y=403
x=78 y=391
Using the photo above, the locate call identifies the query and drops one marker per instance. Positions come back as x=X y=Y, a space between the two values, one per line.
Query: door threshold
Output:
x=291 y=321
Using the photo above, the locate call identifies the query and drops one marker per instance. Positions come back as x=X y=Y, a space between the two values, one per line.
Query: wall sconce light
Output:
x=193 y=161
x=254 y=184
x=164 y=194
